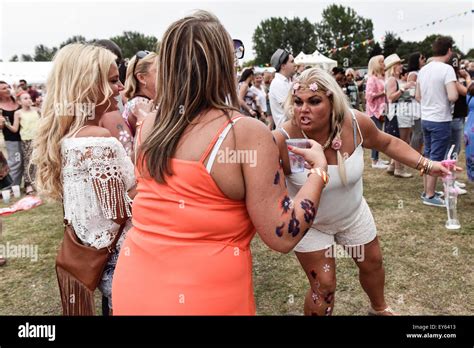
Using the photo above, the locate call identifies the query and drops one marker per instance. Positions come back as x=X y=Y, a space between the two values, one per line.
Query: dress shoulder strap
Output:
x=216 y=143
x=355 y=127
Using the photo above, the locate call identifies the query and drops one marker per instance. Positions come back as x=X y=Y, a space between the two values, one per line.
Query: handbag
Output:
x=79 y=270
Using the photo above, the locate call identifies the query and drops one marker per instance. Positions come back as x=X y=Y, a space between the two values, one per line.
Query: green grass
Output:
x=428 y=268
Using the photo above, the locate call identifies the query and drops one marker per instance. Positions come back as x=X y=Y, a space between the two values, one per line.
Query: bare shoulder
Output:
x=94 y=131
x=366 y=125
x=249 y=127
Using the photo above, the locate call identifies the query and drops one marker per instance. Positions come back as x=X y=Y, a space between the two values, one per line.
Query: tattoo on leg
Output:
x=279 y=230
x=326 y=268
x=313 y=274
x=309 y=210
x=329 y=298
x=328 y=311
x=314 y=297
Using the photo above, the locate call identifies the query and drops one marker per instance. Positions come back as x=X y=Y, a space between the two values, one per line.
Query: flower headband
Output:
x=313 y=87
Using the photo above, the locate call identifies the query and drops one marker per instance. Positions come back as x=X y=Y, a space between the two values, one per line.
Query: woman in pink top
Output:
x=376 y=101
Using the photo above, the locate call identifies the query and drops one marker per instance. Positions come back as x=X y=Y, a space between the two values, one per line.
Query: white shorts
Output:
x=357 y=229
x=405 y=121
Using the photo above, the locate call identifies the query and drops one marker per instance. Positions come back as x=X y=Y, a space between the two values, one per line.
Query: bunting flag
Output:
x=364 y=43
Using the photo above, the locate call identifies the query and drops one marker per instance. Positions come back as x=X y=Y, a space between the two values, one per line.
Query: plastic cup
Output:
x=297 y=161
x=16 y=191
x=6 y=196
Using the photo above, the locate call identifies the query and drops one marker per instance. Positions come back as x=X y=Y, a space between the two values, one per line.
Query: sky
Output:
x=27 y=23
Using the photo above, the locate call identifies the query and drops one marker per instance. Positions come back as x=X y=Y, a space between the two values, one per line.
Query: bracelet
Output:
x=322 y=174
x=419 y=161
x=426 y=167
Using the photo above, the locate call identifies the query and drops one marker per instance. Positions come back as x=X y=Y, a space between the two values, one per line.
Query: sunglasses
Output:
x=239 y=49
x=138 y=56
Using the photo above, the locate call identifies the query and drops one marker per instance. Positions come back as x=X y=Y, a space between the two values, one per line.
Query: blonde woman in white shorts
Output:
x=319 y=110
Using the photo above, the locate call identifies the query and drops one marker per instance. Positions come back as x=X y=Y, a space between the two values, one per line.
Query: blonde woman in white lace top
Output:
x=80 y=163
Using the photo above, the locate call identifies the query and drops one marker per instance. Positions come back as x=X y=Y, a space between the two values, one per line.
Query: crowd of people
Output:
x=138 y=164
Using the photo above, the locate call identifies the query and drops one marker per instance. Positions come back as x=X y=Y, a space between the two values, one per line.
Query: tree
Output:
x=27 y=58
x=44 y=54
x=470 y=53
x=425 y=45
x=130 y=42
x=73 y=39
x=341 y=27
x=295 y=35
x=390 y=43
x=375 y=50
x=14 y=58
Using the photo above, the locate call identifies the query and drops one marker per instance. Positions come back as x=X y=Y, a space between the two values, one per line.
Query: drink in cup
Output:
x=297 y=161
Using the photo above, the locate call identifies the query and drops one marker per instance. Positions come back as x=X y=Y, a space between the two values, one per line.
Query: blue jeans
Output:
x=457 y=134
x=375 y=153
x=436 y=136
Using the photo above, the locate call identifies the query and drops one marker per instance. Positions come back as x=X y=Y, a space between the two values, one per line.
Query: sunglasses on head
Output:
x=139 y=55
x=239 y=49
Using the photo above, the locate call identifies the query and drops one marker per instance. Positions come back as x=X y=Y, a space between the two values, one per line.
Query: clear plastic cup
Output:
x=6 y=196
x=297 y=161
x=16 y=191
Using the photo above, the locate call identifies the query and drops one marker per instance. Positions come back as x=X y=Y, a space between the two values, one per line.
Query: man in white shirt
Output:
x=284 y=63
x=436 y=89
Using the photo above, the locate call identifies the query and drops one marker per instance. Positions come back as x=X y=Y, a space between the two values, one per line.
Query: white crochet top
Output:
x=96 y=174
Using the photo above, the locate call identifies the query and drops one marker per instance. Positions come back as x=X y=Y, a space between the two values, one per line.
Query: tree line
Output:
x=340 y=26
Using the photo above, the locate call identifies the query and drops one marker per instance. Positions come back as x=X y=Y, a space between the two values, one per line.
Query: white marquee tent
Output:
x=315 y=59
x=32 y=72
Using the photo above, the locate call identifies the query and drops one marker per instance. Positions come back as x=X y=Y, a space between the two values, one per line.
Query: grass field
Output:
x=429 y=270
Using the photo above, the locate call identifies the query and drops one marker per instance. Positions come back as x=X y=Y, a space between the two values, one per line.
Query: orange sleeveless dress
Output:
x=189 y=250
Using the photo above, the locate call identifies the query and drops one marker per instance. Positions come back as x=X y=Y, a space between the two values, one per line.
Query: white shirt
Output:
x=432 y=80
x=279 y=90
x=90 y=164
x=261 y=97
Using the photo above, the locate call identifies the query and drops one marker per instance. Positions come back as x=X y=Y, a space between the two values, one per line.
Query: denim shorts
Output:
x=436 y=136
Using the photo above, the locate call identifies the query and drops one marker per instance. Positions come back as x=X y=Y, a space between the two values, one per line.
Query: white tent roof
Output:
x=315 y=59
x=32 y=72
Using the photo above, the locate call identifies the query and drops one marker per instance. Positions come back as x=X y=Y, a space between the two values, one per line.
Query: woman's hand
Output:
x=252 y=113
x=314 y=156
x=142 y=108
x=440 y=170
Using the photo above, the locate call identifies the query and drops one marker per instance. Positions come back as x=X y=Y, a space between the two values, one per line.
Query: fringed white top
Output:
x=96 y=175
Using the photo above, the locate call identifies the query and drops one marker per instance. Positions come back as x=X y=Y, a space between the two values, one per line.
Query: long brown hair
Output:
x=195 y=74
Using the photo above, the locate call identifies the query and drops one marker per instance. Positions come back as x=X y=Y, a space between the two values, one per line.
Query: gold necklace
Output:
x=326 y=144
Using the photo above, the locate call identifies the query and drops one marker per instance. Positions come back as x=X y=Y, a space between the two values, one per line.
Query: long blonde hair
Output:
x=142 y=67
x=195 y=74
x=79 y=77
x=339 y=105
x=375 y=68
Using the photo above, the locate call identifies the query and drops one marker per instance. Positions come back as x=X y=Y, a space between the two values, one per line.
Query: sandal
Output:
x=385 y=312
x=30 y=191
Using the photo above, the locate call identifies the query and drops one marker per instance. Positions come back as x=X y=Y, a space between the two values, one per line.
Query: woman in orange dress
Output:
x=208 y=179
